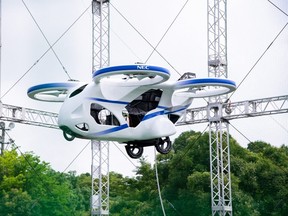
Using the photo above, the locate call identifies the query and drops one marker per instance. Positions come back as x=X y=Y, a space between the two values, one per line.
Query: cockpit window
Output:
x=102 y=115
x=77 y=91
x=138 y=108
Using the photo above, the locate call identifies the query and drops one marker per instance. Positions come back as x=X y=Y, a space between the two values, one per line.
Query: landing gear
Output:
x=68 y=137
x=135 y=149
x=164 y=146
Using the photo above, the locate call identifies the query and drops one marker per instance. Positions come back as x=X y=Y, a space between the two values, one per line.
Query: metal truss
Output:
x=101 y=34
x=236 y=110
x=100 y=149
x=28 y=116
x=221 y=198
x=218 y=112
x=100 y=176
x=220 y=169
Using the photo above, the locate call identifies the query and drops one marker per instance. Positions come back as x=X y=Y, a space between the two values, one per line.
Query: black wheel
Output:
x=134 y=151
x=164 y=146
x=68 y=137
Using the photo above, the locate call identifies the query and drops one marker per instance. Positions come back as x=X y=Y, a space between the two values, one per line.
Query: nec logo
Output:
x=142 y=67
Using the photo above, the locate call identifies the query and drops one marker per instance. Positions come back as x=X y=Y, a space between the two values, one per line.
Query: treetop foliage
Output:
x=29 y=186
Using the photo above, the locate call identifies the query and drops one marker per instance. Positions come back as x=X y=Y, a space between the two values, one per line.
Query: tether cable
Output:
x=46 y=39
x=240 y=133
x=158 y=184
x=76 y=156
x=142 y=36
x=115 y=144
x=154 y=49
x=258 y=60
x=37 y=61
x=198 y=137
x=278 y=8
x=35 y=171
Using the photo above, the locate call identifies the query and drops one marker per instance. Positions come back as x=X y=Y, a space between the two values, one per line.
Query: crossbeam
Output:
x=236 y=110
x=28 y=116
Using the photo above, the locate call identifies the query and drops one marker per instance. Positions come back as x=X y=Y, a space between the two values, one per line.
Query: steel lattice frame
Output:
x=100 y=149
x=237 y=110
x=221 y=198
x=100 y=178
x=213 y=113
x=101 y=34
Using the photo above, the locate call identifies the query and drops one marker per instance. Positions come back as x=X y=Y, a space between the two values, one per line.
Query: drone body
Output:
x=132 y=104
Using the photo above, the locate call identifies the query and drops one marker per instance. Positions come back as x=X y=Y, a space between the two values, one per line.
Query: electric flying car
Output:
x=137 y=105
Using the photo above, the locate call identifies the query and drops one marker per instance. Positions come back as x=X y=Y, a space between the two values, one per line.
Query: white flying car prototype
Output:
x=132 y=104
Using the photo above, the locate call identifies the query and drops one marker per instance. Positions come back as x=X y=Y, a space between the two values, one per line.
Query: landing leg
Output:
x=164 y=146
x=134 y=151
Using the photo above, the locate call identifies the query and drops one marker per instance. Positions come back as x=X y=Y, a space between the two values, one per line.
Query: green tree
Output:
x=259 y=176
x=30 y=187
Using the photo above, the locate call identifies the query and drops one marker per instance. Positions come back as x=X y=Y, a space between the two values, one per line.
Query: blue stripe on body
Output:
x=162 y=107
x=165 y=112
x=130 y=68
x=152 y=115
x=51 y=85
x=111 y=130
x=146 y=117
x=206 y=80
x=108 y=101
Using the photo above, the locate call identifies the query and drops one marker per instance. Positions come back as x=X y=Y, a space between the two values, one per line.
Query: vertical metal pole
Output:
x=100 y=178
x=100 y=149
x=221 y=197
x=0 y=49
x=2 y=138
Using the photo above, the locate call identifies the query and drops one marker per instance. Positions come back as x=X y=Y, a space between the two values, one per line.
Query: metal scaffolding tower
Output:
x=221 y=198
x=218 y=112
x=100 y=149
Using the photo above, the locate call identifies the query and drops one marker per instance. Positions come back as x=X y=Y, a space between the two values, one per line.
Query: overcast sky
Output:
x=252 y=26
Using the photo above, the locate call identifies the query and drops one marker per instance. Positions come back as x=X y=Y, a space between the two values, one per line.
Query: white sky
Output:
x=252 y=25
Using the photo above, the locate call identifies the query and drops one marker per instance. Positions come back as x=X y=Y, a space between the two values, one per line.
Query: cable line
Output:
x=278 y=8
x=258 y=60
x=158 y=184
x=125 y=44
x=77 y=156
x=241 y=133
x=34 y=170
x=199 y=136
x=46 y=39
x=37 y=61
x=115 y=144
x=142 y=36
x=154 y=49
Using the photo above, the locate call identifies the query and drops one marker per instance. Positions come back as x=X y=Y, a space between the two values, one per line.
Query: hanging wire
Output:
x=198 y=137
x=125 y=44
x=256 y=64
x=265 y=50
x=158 y=184
x=154 y=49
x=278 y=8
x=258 y=60
x=144 y=38
x=34 y=170
x=115 y=144
x=240 y=133
x=277 y=122
x=60 y=62
x=282 y=11
x=76 y=157
x=40 y=58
